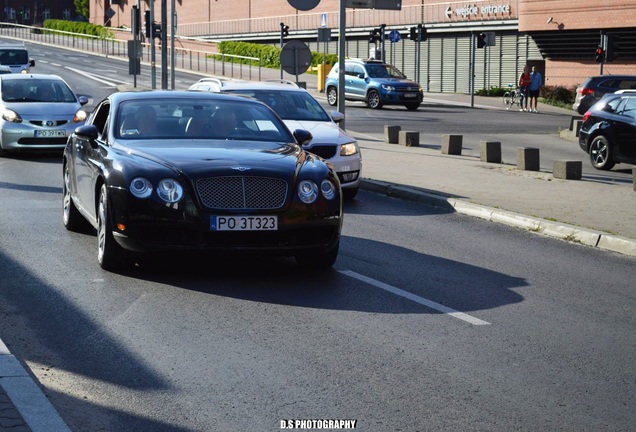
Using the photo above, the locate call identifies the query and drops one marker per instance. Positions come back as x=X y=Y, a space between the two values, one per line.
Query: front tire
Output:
x=332 y=96
x=601 y=153
x=71 y=217
x=373 y=99
x=110 y=255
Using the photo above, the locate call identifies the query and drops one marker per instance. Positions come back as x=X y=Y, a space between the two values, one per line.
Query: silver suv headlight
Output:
x=349 y=149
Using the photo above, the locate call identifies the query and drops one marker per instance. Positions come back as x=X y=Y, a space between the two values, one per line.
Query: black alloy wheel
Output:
x=601 y=153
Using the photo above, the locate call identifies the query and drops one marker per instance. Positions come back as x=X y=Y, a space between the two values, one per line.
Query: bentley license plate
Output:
x=50 y=133
x=243 y=223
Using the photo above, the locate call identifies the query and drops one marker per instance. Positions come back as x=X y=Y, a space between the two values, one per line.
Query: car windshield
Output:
x=198 y=119
x=289 y=105
x=383 y=71
x=14 y=57
x=36 y=90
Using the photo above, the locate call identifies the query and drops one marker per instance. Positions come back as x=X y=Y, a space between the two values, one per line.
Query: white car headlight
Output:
x=170 y=190
x=140 y=187
x=349 y=149
x=80 y=116
x=307 y=191
x=328 y=189
x=11 y=116
x=388 y=87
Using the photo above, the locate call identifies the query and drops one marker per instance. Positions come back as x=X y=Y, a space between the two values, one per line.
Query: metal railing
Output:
x=208 y=62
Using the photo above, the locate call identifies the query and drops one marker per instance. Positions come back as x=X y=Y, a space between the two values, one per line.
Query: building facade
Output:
x=29 y=12
x=559 y=37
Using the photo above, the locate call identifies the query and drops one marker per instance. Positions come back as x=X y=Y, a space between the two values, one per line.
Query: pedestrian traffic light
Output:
x=375 y=35
x=413 y=33
x=284 y=30
x=611 y=47
x=481 y=40
x=599 y=54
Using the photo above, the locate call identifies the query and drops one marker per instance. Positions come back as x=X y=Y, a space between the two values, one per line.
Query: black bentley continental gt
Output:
x=156 y=171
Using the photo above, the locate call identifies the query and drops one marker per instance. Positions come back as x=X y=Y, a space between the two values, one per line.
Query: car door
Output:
x=356 y=83
x=88 y=159
x=625 y=124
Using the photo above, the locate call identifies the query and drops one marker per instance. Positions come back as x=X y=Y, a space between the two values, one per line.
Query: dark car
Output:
x=593 y=89
x=192 y=171
x=608 y=132
x=375 y=83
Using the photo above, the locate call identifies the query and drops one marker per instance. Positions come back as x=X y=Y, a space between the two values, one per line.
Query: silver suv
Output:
x=300 y=110
x=375 y=83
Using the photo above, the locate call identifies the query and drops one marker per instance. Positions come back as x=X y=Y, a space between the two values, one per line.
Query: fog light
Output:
x=350 y=176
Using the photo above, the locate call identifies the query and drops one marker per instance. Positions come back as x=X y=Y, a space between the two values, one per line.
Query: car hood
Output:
x=323 y=132
x=402 y=82
x=199 y=157
x=44 y=109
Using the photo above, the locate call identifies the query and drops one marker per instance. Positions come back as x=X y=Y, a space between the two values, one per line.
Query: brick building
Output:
x=559 y=37
x=29 y=12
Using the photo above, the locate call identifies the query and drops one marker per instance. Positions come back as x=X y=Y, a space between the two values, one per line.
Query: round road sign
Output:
x=295 y=57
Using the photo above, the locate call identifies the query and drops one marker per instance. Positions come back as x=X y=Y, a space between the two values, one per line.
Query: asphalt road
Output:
x=428 y=321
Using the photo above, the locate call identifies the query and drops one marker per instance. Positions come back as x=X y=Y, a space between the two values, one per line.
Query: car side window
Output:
x=627 y=84
x=357 y=70
x=629 y=109
x=100 y=118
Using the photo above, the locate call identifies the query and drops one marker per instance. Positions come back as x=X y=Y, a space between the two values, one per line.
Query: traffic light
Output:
x=151 y=29
x=422 y=32
x=375 y=35
x=284 y=30
x=135 y=21
x=599 y=54
x=147 y=24
x=611 y=47
x=413 y=33
x=481 y=40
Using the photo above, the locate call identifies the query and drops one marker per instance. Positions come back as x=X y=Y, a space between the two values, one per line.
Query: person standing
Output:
x=533 y=89
x=524 y=83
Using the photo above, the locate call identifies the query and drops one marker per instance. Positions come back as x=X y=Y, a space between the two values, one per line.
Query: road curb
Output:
x=27 y=398
x=562 y=231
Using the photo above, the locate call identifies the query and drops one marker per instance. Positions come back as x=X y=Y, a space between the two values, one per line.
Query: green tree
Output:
x=81 y=8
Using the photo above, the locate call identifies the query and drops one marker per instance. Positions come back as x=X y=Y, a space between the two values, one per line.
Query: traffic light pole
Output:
x=153 y=56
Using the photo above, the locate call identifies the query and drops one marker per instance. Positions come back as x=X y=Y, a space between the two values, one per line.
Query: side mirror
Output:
x=31 y=63
x=337 y=116
x=83 y=100
x=88 y=132
x=303 y=136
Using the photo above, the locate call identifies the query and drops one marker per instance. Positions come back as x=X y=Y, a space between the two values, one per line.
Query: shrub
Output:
x=78 y=27
x=558 y=94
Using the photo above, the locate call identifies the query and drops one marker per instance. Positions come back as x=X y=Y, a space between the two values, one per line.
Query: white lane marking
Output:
x=93 y=77
x=417 y=299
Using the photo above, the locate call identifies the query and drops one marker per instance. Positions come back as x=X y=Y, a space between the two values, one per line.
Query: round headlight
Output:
x=307 y=191
x=80 y=116
x=328 y=189
x=170 y=190
x=140 y=187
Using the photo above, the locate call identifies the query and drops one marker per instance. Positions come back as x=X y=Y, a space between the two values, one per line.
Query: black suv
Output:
x=593 y=89
x=375 y=83
x=608 y=132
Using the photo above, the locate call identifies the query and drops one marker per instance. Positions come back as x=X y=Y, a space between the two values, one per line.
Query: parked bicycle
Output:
x=513 y=97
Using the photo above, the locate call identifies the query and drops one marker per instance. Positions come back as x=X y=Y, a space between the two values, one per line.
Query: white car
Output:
x=300 y=110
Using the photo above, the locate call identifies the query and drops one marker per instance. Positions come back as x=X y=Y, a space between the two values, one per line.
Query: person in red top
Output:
x=524 y=82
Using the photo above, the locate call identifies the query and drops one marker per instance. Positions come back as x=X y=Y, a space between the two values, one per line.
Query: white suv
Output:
x=300 y=110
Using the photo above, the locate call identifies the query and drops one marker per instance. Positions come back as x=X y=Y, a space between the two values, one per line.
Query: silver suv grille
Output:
x=242 y=192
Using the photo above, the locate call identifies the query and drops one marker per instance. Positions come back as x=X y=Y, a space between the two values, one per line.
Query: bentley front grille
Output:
x=242 y=192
